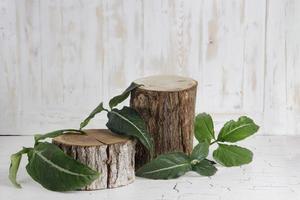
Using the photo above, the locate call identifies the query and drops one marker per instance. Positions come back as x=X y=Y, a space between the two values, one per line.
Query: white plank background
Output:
x=60 y=58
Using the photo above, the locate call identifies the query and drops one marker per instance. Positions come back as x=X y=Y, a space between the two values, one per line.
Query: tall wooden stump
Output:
x=103 y=151
x=167 y=104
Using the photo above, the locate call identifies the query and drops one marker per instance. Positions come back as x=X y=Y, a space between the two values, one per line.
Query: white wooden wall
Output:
x=60 y=58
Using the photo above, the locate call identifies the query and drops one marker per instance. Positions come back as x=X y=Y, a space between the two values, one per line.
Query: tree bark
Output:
x=167 y=104
x=110 y=154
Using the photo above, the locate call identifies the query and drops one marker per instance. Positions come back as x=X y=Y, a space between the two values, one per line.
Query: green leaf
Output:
x=120 y=98
x=200 y=151
x=204 y=128
x=234 y=131
x=97 y=110
x=210 y=161
x=15 y=160
x=204 y=168
x=53 y=134
x=232 y=155
x=54 y=170
x=128 y=122
x=166 y=166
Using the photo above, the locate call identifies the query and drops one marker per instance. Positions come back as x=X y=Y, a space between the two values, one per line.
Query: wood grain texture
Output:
x=168 y=111
x=59 y=59
x=109 y=154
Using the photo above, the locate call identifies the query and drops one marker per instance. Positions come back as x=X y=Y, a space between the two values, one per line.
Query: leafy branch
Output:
x=54 y=170
x=47 y=162
x=173 y=165
x=50 y=166
x=125 y=121
x=232 y=131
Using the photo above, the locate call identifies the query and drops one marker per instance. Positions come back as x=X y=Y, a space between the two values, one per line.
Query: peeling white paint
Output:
x=58 y=59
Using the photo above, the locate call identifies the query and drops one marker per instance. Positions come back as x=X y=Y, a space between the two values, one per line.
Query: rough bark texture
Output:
x=168 y=108
x=112 y=157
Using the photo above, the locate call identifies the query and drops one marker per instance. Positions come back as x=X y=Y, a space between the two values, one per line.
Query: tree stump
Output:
x=167 y=104
x=110 y=154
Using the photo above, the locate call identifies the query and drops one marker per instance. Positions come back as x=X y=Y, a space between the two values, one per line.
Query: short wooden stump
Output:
x=110 y=154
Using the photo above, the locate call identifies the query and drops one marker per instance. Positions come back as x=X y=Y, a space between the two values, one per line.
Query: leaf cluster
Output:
x=173 y=165
x=54 y=170
x=125 y=121
x=233 y=131
x=51 y=167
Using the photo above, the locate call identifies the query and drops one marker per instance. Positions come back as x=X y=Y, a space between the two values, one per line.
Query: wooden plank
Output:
x=293 y=69
x=29 y=63
x=59 y=59
x=253 y=18
x=171 y=42
x=21 y=48
x=292 y=53
x=233 y=39
x=223 y=56
x=72 y=61
x=9 y=92
x=281 y=113
x=173 y=39
x=123 y=35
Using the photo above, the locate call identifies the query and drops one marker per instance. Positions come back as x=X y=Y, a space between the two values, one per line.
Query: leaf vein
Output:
x=124 y=118
x=249 y=124
x=57 y=166
x=167 y=168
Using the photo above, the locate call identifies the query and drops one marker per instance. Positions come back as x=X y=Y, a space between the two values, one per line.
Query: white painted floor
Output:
x=273 y=174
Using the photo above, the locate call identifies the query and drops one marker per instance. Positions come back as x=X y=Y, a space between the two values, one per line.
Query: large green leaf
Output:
x=234 y=131
x=232 y=155
x=15 y=160
x=204 y=128
x=128 y=122
x=97 y=110
x=205 y=168
x=166 y=166
x=200 y=151
x=120 y=98
x=53 y=134
x=54 y=170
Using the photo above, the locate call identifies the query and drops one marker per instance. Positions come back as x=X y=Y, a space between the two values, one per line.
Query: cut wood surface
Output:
x=110 y=154
x=166 y=83
x=167 y=104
